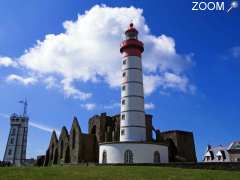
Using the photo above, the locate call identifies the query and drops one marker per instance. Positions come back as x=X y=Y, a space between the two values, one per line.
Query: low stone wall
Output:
x=201 y=165
x=5 y=164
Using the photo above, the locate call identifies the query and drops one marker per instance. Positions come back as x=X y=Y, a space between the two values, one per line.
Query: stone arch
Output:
x=75 y=142
x=53 y=145
x=73 y=139
x=61 y=149
x=128 y=157
x=63 y=144
x=55 y=159
x=156 y=157
x=67 y=158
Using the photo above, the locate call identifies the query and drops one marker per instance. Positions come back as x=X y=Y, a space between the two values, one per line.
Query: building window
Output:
x=12 y=141
x=124 y=74
x=238 y=159
x=128 y=157
x=123 y=116
x=104 y=157
x=122 y=132
x=124 y=88
x=212 y=155
x=223 y=155
x=219 y=158
x=208 y=158
x=123 y=102
x=9 y=152
x=124 y=62
x=156 y=157
x=13 y=131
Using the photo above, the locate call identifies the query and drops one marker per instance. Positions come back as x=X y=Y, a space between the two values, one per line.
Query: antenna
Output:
x=25 y=104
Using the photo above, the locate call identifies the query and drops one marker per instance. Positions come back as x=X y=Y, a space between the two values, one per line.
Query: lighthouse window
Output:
x=104 y=157
x=124 y=62
x=123 y=88
x=128 y=157
x=123 y=116
x=124 y=74
x=123 y=102
x=122 y=132
x=156 y=157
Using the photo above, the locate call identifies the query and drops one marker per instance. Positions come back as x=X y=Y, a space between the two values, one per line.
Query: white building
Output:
x=229 y=153
x=132 y=147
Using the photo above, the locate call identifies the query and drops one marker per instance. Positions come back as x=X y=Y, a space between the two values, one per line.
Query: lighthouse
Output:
x=132 y=124
x=132 y=147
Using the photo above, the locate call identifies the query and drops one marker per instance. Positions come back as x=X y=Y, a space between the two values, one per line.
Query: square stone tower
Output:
x=17 y=140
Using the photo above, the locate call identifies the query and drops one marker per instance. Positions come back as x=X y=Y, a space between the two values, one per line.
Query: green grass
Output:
x=113 y=173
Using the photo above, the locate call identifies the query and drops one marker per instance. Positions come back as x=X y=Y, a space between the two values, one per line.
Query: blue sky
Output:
x=191 y=61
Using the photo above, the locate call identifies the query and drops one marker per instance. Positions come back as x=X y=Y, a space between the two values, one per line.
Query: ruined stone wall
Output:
x=97 y=125
x=63 y=147
x=75 y=142
x=89 y=148
x=78 y=147
x=181 y=145
x=148 y=119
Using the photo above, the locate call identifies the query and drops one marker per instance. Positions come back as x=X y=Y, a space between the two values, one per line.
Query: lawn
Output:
x=113 y=172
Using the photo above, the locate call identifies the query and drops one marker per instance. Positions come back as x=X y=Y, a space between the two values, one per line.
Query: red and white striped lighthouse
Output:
x=132 y=127
x=132 y=147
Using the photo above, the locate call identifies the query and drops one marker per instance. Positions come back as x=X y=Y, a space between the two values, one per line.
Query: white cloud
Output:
x=112 y=106
x=4 y=115
x=88 y=106
x=43 y=127
x=235 y=51
x=171 y=80
x=51 y=82
x=23 y=80
x=149 y=106
x=88 y=51
x=35 y=125
x=151 y=82
x=7 y=62
x=71 y=91
x=167 y=80
x=164 y=93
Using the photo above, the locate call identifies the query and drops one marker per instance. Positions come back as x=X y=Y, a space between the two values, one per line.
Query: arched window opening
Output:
x=55 y=159
x=104 y=157
x=128 y=157
x=52 y=149
x=67 y=155
x=73 y=139
x=93 y=131
x=61 y=150
x=156 y=157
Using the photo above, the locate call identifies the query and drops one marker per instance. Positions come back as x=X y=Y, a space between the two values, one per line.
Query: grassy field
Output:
x=114 y=173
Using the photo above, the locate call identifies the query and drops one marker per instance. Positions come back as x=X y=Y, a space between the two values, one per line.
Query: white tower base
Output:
x=132 y=153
